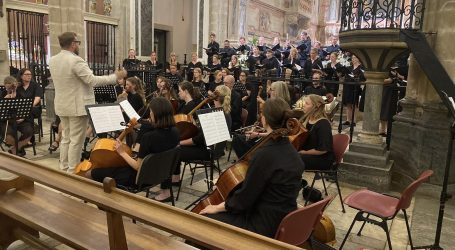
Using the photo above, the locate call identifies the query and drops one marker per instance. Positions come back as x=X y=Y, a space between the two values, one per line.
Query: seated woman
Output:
x=163 y=137
x=317 y=152
x=134 y=93
x=195 y=148
x=242 y=143
x=24 y=126
x=272 y=181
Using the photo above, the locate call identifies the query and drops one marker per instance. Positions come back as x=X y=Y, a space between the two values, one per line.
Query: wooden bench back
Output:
x=118 y=203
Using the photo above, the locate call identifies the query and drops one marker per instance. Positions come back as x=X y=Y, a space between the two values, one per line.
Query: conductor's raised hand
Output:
x=120 y=73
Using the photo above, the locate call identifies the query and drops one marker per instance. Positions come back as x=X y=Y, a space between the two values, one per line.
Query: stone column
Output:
x=372 y=110
x=66 y=16
x=420 y=132
x=4 y=65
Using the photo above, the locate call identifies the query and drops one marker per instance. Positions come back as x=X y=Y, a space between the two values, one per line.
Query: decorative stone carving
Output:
x=107 y=7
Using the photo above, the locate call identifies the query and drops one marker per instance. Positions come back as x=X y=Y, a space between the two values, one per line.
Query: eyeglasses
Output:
x=28 y=74
x=78 y=42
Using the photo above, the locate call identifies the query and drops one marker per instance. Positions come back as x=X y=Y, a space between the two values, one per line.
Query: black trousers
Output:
x=241 y=145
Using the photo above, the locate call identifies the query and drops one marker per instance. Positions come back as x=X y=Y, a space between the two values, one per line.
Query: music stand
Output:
x=13 y=109
x=450 y=104
x=105 y=94
x=215 y=130
x=105 y=118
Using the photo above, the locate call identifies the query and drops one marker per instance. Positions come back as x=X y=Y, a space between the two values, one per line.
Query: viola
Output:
x=184 y=122
x=105 y=155
x=233 y=176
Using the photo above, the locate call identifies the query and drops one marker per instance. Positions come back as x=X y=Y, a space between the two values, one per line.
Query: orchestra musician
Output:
x=272 y=182
x=174 y=77
x=200 y=90
x=164 y=136
x=244 y=89
x=212 y=49
x=241 y=143
x=236 y=103
x=317 y=151
x=25 y=126
x=134 y=93
x=192 y=65
x=316 y=86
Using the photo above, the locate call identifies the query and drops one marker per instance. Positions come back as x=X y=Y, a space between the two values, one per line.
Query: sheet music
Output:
x=129 y=110
x=214 y=127
x=106 y=118
x=298 y=67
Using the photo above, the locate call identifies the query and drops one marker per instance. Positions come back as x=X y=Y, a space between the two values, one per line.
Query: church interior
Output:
x=338 y=130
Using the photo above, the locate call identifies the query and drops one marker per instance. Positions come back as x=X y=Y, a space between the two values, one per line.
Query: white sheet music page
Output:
x=214 y=127
x=129 y=110
x=106 y=118
x=452 y=102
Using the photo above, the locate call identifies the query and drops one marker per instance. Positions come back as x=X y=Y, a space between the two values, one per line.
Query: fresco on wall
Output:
x=264 y=21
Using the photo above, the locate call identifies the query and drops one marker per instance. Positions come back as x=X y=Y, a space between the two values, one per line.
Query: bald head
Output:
x=229 y=81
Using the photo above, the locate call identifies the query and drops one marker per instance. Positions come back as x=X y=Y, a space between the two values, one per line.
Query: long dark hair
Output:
x=185 y=85
x=162 y=112
x=20 y=74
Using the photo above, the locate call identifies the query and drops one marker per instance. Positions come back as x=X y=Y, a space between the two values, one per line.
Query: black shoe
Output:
x=304 y=183
x=21 y=152
x=168 y=199
x=346 y=123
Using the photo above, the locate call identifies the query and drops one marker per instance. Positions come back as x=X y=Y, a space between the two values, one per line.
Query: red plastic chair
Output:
x=340 y=144
x=297 y=226
x=382 y=206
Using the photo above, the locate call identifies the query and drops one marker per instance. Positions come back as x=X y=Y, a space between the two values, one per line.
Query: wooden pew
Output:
x=116 y=204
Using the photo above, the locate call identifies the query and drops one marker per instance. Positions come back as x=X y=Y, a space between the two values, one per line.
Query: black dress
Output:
x=190 y=69
x=319 y=138
x=269 y=191
x=352 y=92
x=154 y=141
x=332 y=76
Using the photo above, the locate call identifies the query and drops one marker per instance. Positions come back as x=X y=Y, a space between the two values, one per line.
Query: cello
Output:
x=104 y=154
x=233 y=176
x=184 y=122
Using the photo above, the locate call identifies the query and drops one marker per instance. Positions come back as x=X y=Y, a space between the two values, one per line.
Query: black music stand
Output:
x=214 y=133
x=13 y=109
x=450 y=104
x=105 y=94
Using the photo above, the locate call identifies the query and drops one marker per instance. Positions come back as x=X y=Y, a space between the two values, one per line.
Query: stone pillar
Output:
x=420 y=132
x=4 y=64
x=367 y=162
x=66 y=16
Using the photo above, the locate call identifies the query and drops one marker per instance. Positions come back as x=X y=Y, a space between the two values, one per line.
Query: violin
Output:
x=233 y=176
x=105 y=155
x=184 y=122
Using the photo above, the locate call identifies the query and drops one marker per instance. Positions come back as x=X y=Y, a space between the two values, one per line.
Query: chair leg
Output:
x=193 y=172
x=230 y=151
x=349 y=230
x=323 y=183
x=311 y=190
x=147 y=193
x=363 y=224
x=339 y=192
x=386 y=229
x=181 y=181
x=172 y=196
x=207 y=175
x=218 y=166
x=408 y=228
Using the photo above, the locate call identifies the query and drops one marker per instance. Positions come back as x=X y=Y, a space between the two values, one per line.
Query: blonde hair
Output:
x=200 y=74
x=281 y=90
x=224 y=97
x=317 y=112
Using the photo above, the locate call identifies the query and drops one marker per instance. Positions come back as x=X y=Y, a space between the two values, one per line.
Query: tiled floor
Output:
x=423 y=211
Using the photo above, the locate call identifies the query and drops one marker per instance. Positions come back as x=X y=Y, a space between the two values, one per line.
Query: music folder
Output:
x=214 y=125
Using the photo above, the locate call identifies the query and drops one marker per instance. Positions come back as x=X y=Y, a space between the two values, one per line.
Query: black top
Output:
x=175 y=80
x=213 y=85
x=332 y=71
x=128 y=63
x=191 y=67
x=226 y=54
x=320 y=90
x=319 y=137
x=310 y=65
x=236 y=110
x=270 y=189
x=158 y=140
x=136 y=101
x=199 y=88
x=33 y=90
x=185 y=108
x=212 y=49
x=271 y=63
x=168 y=65
x=304 y=47
x=157 y=64
x=253 y=62
x=332 y=48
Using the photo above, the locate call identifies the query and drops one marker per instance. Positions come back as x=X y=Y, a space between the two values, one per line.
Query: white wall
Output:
x=182 y=34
